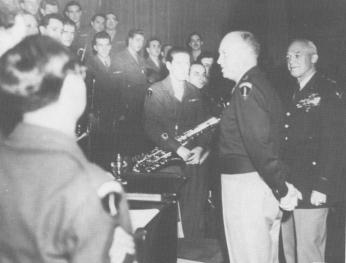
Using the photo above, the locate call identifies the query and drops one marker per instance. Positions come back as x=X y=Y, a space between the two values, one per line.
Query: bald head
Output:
x=238 y=51
x=12 y=24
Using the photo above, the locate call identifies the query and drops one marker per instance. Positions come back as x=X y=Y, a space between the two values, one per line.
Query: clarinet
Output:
x=157 y=158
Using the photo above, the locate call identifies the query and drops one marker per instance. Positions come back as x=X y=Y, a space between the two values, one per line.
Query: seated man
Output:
x=173 y=107
x=55 y=206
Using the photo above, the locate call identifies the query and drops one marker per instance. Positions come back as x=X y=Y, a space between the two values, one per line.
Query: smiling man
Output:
x=312 y=148
x=173 y=107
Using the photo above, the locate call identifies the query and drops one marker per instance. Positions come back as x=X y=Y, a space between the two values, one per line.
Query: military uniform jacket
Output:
x=250 y=132
x=166 y=117
x=49 y=207
x=313 y=139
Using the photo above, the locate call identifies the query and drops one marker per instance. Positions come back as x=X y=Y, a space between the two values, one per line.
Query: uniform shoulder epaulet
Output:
x=245 y=89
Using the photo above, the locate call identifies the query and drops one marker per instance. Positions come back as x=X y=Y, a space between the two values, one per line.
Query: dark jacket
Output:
x=50 y=210
x=131 y=77
x=164 y=114
x=250 y=132
x=314 y=138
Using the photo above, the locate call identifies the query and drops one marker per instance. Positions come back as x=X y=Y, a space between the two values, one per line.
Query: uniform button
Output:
x=286 y=138
x=286 y=126
x=314 y=163
x=288 y=113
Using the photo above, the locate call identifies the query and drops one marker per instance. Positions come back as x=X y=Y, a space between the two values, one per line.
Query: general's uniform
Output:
x=166 y=118
x=252 y=174
x=50 y=210
x=313 y=142
x=131 y=77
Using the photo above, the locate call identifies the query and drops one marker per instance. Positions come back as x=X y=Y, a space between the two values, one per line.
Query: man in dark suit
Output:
x=129 y=68
x=253 y=177
x=313 y=144
x=54 y=204
x=155 y=68
x=104 y=99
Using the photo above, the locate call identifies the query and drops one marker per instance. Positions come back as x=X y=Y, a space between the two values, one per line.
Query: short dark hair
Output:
x=194 y=34
x=68 y=21
x=44 y=3
x=72 y=3
x=132 y=33
x=27 y=81
x=93 y=18
x=206 y=54
x=112 y=13
x=100 y=35
x=175 y=50
x=45 y=20
x=151 y=40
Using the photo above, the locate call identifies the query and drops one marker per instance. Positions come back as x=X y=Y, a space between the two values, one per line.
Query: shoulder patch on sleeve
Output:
x=245 y=89
x=110 y=194
x=149 y=92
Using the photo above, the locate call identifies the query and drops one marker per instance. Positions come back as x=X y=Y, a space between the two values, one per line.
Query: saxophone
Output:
x=157 y=157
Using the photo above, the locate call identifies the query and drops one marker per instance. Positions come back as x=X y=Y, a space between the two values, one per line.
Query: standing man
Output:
x=55 y=206
x=104 y=99
x=154 y=65
x=253 y=178
x=173 y=107
x=312 y=148
x=129 y=67
x=195 y=44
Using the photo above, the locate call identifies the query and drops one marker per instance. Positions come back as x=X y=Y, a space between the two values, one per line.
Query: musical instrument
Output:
x=157 y=157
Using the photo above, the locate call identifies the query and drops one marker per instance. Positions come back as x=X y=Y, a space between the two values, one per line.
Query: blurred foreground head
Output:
x=12 y=24
x=39 y=77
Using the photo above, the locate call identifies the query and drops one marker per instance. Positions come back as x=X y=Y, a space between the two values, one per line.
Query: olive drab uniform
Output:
x=252 y=173
x=50 y=209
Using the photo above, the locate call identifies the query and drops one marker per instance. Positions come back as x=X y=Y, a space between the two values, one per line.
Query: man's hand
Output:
x=184 y=153
x=122 y=245
x=195 y=156
x=318 y=198
x=290 y=201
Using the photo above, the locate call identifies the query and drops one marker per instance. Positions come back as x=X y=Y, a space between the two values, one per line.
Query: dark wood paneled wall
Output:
x=173 y=20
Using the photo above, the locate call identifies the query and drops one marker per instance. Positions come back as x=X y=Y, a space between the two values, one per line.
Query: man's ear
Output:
x=314 y=58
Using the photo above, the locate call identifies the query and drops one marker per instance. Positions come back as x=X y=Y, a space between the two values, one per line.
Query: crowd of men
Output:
x=273 y=153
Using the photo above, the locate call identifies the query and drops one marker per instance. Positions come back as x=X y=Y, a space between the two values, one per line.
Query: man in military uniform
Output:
x=172 y=107
x=55 y=206
x=253 y=178
x=312 y=149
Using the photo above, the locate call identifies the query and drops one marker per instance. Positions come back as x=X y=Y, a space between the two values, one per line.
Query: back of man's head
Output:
x=32 y=74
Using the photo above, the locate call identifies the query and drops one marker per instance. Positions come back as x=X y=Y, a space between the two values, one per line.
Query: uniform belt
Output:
x=235 y=165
